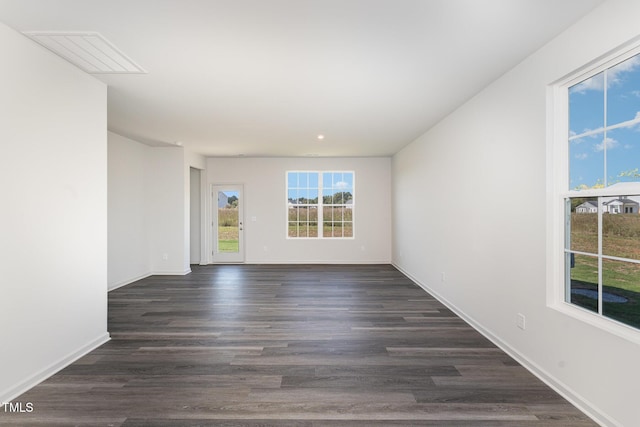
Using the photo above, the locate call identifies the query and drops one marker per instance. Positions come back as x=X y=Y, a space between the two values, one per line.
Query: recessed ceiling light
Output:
x=320 y=137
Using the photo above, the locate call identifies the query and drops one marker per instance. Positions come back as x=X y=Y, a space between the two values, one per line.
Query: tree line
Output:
x=335 y=199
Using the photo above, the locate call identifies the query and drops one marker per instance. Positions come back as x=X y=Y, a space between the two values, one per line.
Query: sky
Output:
x=306 y=184
x=596 y=132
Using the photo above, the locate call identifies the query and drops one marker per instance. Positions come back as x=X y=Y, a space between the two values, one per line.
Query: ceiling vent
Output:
x=90 y=52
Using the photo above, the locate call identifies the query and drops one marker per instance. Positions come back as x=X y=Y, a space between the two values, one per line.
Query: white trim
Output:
x=205 y=253
x=128 y=282
x=627 y=124
x=607 y=60
x=607 y=257
x=585 y=134
x=592 y=318
x=227 y=257
x=320 y=262
x=610 y=191
x=569 y=394
x=38 y=377
x=318 y=238
x=144 y=276
x=557 y=183
x=615 y=258
x=556 y=156
x=171 y=273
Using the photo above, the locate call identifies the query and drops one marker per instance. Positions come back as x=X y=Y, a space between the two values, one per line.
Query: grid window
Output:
x=602 y=198
x=320 y=204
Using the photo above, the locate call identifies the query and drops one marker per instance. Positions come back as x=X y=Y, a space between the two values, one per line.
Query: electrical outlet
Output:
x=165 y=256
x=442 y=277
x=520 y=322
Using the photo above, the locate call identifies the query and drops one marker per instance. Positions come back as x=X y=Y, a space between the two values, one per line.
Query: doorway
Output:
x=228 y=223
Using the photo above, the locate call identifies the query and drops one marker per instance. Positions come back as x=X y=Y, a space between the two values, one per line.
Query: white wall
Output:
x=195 y=215
x=490 y=154
x=128 y=210
x=167 y=211
x=264 y=181
x=191 y=189
x=53 y=184
x=149 y=209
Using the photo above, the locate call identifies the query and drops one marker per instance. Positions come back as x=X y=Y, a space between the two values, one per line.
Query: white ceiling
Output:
x=265 y=77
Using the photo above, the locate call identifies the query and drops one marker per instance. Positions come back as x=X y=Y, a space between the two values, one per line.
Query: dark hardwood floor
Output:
x=291 y=345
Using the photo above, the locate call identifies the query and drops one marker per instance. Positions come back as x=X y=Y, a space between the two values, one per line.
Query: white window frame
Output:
x=558 y=190
x=321 y=205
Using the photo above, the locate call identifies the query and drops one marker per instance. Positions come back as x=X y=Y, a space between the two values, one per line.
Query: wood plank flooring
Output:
x=291 y=345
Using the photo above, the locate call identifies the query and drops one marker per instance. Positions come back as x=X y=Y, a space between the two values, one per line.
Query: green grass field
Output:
x=228 y=232
x=303 y=222
x=621 y=238
x=228 y=246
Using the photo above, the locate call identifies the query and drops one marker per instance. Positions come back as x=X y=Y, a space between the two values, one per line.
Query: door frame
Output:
x=229 y=257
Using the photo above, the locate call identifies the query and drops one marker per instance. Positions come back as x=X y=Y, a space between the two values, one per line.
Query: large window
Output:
x=601 y=194
x=320 y=204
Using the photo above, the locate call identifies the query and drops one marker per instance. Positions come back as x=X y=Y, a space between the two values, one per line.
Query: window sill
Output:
x=607 y=325
x=320 y=238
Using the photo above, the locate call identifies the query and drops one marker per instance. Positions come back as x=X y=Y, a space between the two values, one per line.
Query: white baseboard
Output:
x=574 y=398
x=37 y=378
x=171 y=273
x=321 y=262
x=128 y=281
x=144 y=276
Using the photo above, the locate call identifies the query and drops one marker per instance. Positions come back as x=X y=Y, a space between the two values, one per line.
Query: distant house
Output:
x=621 y=205
x=223 y=200
x=587 y=207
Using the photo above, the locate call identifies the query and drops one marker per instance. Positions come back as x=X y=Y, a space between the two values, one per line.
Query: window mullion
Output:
x=320 y=206
x=567 y=253
x=600 y=255
x=606 y=184
x=604 y=141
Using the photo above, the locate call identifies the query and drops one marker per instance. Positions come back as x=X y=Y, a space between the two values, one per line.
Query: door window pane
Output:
x=228 y=222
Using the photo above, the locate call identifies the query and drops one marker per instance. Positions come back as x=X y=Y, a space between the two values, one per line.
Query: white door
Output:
x=228 y=223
